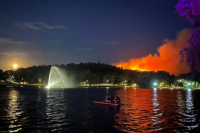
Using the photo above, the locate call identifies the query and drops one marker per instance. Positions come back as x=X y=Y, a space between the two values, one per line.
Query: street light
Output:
x=40 y=80
x=107 y=81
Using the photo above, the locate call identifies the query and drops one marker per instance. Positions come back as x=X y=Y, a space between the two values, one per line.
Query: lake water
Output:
x=32 y=109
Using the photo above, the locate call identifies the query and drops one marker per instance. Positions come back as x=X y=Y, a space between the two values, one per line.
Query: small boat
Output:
x=106 y=103
x=115 y=101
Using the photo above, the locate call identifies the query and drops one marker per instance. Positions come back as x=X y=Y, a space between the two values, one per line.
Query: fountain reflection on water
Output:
x=56 y=110
x=58 y=78
x=71 y=110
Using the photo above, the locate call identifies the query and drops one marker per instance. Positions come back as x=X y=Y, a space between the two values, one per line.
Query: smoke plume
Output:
x=167 y=59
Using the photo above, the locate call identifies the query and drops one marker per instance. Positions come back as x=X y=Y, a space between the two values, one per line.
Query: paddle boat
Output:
x=115 y=101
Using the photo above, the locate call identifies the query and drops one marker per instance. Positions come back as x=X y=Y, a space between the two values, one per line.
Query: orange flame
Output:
x=167 y=59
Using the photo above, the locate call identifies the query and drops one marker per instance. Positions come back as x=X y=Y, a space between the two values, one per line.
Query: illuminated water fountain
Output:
x=58 y=78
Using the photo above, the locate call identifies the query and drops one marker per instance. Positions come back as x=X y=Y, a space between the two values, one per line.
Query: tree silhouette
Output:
x=190 y=10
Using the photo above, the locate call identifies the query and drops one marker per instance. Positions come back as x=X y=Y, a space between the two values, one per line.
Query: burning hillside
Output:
x=167 y=59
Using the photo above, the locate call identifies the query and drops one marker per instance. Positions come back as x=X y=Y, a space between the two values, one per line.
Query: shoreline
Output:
x=90 y=86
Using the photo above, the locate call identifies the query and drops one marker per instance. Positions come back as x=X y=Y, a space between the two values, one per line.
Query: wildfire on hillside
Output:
x=167 y=59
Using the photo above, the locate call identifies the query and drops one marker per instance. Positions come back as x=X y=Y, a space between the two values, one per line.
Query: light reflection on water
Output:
x=152 y=110
x=136 y=114
x=190 y=119
x=14 y=111
x=157 y=114
x=55 y=110
x=72 y=110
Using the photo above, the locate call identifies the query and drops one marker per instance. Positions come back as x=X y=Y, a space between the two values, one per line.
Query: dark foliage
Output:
x=92 y=73
x=190 y=10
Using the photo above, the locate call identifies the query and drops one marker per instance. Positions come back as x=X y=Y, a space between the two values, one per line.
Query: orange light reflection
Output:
x=136 y=114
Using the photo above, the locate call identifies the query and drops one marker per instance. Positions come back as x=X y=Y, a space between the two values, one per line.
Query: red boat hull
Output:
x=106 y=103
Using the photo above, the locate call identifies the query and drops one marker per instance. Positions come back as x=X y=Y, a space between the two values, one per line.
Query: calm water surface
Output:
x=32 y=109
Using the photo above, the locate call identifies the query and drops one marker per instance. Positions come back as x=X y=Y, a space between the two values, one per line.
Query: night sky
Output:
x=42 y=32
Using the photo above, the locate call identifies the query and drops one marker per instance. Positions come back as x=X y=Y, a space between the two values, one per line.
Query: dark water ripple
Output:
x=157 y=110
x=31 y=109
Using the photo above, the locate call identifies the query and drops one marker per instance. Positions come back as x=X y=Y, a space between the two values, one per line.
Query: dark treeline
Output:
x=90 y=73
x=32 y=74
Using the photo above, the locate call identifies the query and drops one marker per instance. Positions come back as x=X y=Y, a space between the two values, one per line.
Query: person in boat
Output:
x=108 y=99
x=112 y=99
x=117 y=100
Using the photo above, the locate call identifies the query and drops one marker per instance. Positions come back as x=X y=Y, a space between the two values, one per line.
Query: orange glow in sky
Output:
x=167 y=58
x=14 y=62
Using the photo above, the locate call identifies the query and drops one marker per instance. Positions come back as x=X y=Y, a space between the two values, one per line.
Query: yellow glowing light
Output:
x=15 y=65
x=136 y=68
